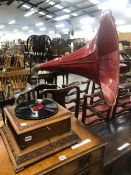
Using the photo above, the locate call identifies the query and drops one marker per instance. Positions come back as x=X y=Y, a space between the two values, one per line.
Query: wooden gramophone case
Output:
x=30 y=132
x=28 y=141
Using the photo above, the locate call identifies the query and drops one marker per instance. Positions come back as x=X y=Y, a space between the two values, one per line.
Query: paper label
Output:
x=23 y=124
x=28 y=138
x=81 y=143
x=63 y=157
x=123 y=146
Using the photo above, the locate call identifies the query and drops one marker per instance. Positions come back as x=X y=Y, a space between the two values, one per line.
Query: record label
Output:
x=36 y=109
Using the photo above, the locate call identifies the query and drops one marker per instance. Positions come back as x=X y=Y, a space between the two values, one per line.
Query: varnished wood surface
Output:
x=116 y=133
x=22 y=126
x=46 y=165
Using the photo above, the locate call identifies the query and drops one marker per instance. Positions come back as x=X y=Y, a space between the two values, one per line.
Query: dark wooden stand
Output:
x=83 y=160
x=116 y=133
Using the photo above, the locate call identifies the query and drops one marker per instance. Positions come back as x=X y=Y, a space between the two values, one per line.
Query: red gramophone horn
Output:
x=98 y=60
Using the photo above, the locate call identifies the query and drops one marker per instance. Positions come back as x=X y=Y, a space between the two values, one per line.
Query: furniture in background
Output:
x=18 y=80
x=34 y=92
x=49 y=77
x=123 y=101
x=84 y=89
x=14 y=62
x=94 y=109
x=5 y=103
x=4 y=85
x=7 y=61
x=68 y=97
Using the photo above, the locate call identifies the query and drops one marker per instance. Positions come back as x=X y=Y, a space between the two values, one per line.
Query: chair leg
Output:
x=3 y=95
x=63 y=79
x=67 y=78
x=8 y=91
x=55 y=79
x=13 y=92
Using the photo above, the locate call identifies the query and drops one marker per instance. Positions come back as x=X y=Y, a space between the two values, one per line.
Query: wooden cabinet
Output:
x=84 y=165
x=85 y=158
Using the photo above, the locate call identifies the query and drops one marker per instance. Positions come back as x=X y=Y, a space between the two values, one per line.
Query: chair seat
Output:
x=128 y=106
x=126 y=102
x=89 y=112
x=91 y=120
x=123 y=101
x=13 y=68
x=95 y=99
x=127 y=99
x=119 y=109
x=18 y=79
x=103 y=107
x=18 y=86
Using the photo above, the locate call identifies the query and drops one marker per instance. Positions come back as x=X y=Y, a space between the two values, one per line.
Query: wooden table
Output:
x=117 y=134
x=82 y=160
x=50 y=77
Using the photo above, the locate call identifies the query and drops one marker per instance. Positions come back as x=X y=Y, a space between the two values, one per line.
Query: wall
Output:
x=125 y=36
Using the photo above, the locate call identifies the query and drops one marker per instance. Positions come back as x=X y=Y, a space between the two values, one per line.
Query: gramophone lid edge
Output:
x=23 y=126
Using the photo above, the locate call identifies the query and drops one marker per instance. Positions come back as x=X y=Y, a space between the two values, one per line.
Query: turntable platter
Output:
x=36 y=109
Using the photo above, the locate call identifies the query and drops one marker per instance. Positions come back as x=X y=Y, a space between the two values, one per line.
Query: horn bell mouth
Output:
x=108 y=58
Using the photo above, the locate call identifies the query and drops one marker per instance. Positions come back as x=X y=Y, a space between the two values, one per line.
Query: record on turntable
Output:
x=36 y=109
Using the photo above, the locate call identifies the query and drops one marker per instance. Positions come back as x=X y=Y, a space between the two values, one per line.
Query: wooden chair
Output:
x=94 y=112
x=18 y=80
x=3 y=84
x=39 y=88
x=94 y=89
x=84 y=89
x=123 y=78
x=5 y=103
x=51 y=77
x=67 y=97
x=17 y=63
x=7 y=61
x=65 y=77
x=93 y=98
x=34 y=92
x=123 y=101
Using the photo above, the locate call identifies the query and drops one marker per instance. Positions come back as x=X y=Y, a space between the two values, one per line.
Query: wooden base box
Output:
x=28 y=141
x=23 y=157
x=32 y=137
x=30 y=132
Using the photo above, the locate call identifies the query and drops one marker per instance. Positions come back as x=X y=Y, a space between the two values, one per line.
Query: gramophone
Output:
x=28 y=141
